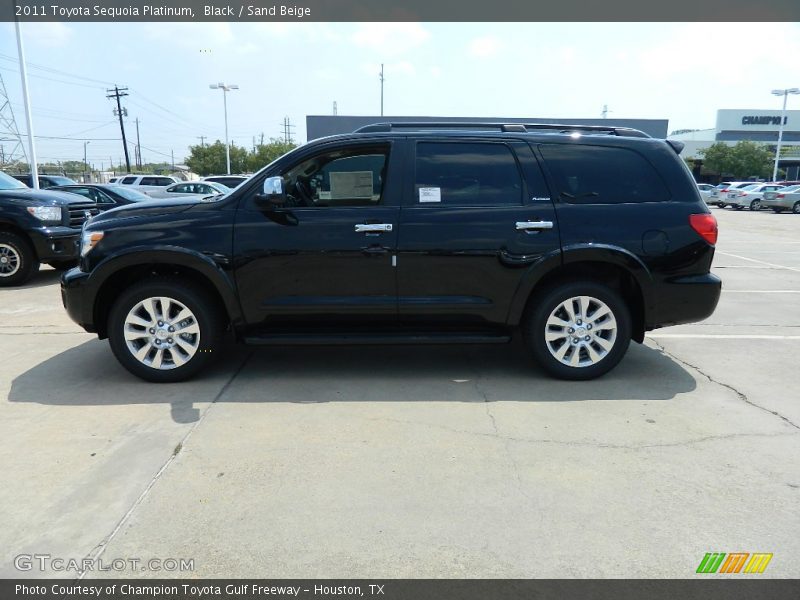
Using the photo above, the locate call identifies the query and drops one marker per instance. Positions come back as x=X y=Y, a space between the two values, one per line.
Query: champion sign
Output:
x=763 y=120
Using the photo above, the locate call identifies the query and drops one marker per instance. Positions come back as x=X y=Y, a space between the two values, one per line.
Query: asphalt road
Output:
x=415 y=461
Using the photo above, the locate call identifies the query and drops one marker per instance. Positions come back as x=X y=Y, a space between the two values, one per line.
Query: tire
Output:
x=796 y=208
x=721 y=204
x=550 y=304
x=163 y=356
x=738 y=207
x=755 y=205
x=18 y=261
x=777 y=210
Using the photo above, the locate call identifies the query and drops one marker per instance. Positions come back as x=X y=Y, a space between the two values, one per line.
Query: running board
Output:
x=376 y=338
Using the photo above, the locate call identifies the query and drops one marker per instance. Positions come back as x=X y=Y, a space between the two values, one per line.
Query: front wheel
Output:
x=18 y=262
x=164 y=330
x=578 y=330
x=796 y=208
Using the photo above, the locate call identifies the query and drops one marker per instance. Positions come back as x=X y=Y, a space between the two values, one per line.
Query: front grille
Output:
x=78 y=213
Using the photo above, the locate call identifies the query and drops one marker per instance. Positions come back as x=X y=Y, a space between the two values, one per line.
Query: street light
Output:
x=85 y=165
x=785 y=93
x=225 y=89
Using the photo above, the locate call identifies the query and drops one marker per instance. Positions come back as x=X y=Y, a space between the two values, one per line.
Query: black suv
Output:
x=38 y=226
x=581 y=237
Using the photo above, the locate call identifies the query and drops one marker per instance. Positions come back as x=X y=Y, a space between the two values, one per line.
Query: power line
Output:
x=52 y=70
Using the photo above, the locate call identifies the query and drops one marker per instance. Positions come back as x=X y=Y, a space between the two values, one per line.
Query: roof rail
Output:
x=505 y=127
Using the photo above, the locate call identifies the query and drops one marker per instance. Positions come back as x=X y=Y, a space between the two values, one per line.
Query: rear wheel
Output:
x=578 y=330
x=777 y=210
x=755 y=205
x=164 y=330
x=796 y=208
x=18 y=261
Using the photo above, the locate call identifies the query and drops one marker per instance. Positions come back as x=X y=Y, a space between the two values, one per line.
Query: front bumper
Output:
x=687 y=299
x=77 y=298
x=56 y=243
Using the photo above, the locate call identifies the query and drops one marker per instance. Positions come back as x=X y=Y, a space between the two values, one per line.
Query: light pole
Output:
x=785 y=93
x=85 y=164
x=225 y=89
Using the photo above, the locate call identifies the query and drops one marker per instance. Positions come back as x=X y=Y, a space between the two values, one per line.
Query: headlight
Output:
x=49 y=214
x=89 y=240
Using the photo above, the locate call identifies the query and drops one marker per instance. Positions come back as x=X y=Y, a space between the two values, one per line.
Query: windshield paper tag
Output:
x=430 y=194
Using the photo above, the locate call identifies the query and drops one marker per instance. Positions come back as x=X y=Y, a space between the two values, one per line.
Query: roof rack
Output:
x=505 y=127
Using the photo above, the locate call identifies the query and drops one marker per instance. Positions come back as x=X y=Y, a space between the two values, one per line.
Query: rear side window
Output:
x=466 y=174
x=603 y=175
x=163 y=181
x=148 y=181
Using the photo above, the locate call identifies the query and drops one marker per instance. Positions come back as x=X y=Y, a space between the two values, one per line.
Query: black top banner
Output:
x=402 y=10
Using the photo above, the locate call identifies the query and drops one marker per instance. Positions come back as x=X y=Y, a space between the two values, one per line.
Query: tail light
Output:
x=706 y=226
x=780 y=196
x=722 y=191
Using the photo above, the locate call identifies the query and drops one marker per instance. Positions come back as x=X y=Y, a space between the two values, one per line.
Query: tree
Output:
x=744 y=160
x=266 y=153
x=210 y=159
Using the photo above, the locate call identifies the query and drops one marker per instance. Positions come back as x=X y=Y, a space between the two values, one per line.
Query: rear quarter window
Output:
x=586 y=174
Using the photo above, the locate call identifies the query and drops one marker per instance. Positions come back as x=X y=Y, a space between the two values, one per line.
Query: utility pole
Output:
x=120 y=93
x=382 y=80
x=202 y=139
x=138 y=157
x=287 y=130
x=335 y=109
x=172 y=152
x=85 y=164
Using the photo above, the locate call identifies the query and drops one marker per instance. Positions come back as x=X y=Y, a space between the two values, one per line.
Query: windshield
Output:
x=128 y=193
x=791 y=188
x=748 y=188
x=9 y=183
x=222 y=189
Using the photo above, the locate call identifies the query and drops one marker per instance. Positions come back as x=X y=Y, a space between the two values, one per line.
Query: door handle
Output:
x=534 y=225
x=373 y=227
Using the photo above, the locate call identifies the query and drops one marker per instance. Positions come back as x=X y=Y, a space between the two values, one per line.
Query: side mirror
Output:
x=273 y=195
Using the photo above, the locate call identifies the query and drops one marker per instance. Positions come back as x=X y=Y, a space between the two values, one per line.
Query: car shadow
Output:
x=89 y=375
x=46 y=276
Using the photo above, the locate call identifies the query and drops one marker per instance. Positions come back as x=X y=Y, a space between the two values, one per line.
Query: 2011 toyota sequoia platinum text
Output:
x=583 y=238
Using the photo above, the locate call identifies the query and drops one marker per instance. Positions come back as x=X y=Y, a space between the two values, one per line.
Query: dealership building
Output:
x=762 y=126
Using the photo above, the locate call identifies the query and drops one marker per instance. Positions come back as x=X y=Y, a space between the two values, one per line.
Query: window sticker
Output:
x=430 y=194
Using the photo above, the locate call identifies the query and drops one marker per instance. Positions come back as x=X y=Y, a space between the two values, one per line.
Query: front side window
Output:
x=129 y=180
x=602 y=175
x=347 y=177
x=466 y=174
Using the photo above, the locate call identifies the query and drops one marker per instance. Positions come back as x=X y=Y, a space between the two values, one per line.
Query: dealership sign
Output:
x=751 y=120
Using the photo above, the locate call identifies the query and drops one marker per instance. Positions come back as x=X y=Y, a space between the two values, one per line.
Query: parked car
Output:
x=37 y=226
x=750 y=196
x=583 y=238
x=705 y=190
x=787 y=198
x=106 y=196
x=145 y=183
x=45 y=181
x=719 y=195
x=189 y=188
x=230 y=181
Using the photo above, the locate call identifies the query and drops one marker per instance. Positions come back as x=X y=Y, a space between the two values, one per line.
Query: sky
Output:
x=683 y=72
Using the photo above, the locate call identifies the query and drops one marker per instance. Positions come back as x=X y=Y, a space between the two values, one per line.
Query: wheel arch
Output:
x=115 y=274
x=612 y=266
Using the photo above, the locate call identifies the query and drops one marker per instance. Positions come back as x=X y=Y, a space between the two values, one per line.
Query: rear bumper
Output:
x=78 y=299
x=687 y=299
x=56 y=243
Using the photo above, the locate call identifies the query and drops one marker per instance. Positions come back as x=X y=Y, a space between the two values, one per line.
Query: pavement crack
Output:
x=100 y=548
x=742 y=396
